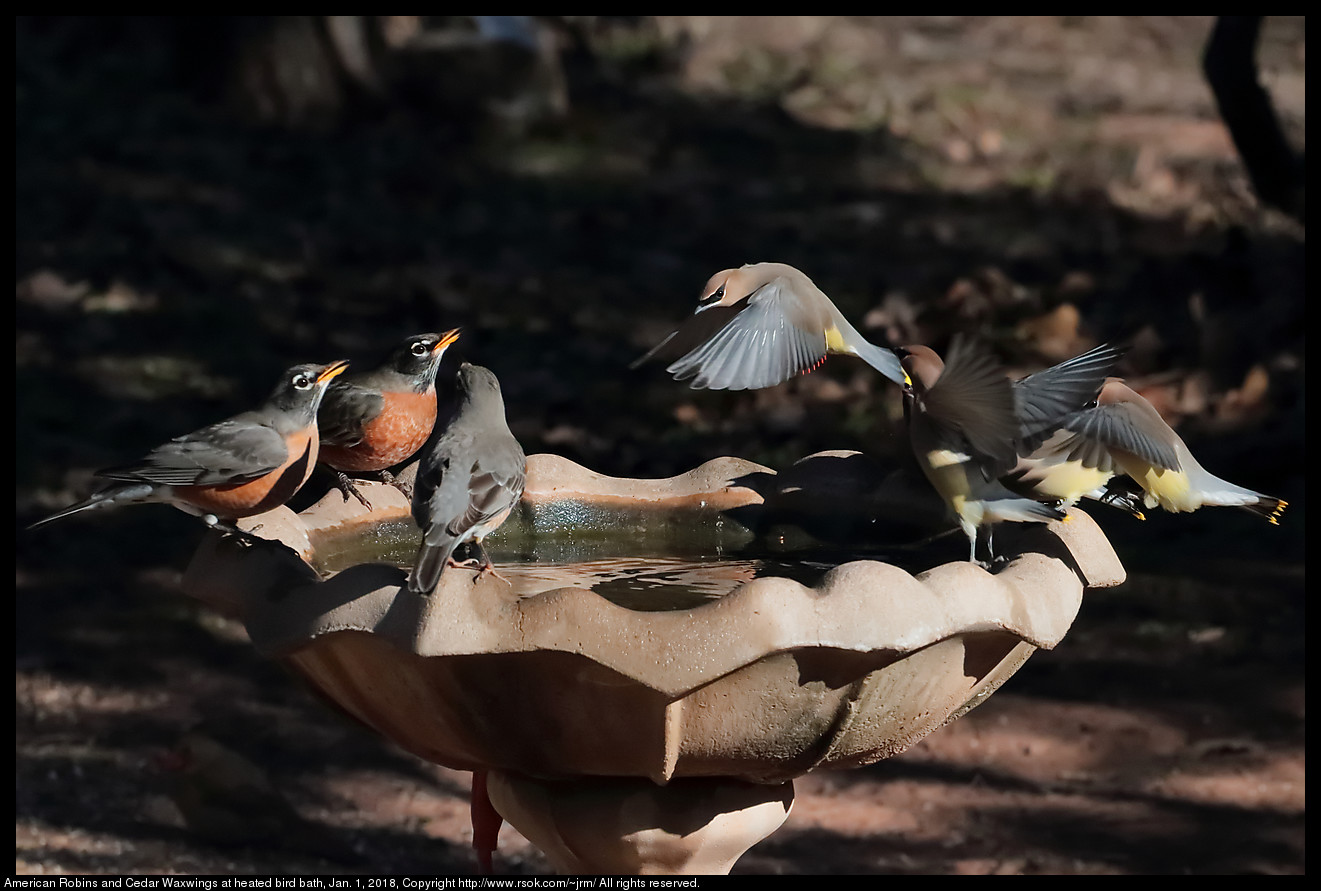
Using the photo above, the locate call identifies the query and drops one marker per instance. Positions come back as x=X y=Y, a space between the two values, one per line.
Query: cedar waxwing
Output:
x=1041 y=399
x=469 y=478
x=758 y=326
x=370 y=422
x=1046 y=468
x=1069 y=466
x=964 y=424
x=240 y=467
x=1123 y=434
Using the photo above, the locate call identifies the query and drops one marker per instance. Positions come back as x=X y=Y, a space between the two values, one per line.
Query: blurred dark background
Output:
x=201 y=202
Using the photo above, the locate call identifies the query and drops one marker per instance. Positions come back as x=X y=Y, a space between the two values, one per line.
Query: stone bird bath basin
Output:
x=623 y=741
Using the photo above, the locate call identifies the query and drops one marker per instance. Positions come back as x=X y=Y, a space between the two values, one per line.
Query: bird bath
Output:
x=650 y=739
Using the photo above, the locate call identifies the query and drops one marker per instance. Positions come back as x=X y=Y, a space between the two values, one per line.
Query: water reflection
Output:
x=658 y=583
x=640 y=559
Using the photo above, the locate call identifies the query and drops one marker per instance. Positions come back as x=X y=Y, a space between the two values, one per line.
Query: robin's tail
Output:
x=430 y=563
x=113 y=496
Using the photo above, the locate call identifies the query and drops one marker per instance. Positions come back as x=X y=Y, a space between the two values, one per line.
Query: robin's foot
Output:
x=245 y=537
x=488 y=568
x=391 y=480
x=347 y=488
x=481 y=563
x=214 y=522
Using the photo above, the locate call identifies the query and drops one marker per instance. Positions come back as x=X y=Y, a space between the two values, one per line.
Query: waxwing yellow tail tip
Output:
x=1140 y=515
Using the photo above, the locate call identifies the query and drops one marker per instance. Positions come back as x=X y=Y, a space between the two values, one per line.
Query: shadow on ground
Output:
x=171 y=261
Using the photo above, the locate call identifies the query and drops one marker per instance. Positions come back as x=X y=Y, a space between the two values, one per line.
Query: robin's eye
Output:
x=302 y=381
x=420 y=349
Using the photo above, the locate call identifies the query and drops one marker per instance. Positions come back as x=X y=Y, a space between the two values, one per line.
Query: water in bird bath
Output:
x=642 y=558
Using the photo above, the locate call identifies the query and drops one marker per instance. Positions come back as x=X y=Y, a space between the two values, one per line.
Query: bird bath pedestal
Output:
x=622 y=741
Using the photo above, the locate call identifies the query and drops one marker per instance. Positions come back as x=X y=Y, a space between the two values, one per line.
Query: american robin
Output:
x=758 y=326
x=469 y=478
x=377 y=419
x=965 y=420
x=1121 y=441
x=243 y=466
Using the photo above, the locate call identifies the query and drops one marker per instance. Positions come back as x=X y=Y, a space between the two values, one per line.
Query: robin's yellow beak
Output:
x=332 y=370
x=445 y=340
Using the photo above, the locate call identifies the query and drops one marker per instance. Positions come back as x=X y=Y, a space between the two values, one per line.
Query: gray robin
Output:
x=968 y=423
x=239 y=467
x=469 y=478
x=758 y=326
x=1120 y=442
x=375 y=420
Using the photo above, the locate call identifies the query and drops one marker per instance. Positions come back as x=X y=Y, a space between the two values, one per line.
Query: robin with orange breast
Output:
x=240 y=467
x=376 y=420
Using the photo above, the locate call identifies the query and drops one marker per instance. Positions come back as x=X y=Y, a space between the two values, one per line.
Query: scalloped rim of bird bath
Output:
x=763 y=684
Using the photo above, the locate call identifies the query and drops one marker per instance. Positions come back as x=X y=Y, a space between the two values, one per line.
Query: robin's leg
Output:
x=347 y=488
x=486 y=566
x=220 y=525
x=469 y=559
x=391 y=480
x=229 y=528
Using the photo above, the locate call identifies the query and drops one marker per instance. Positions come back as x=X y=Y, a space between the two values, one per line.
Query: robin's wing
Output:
x=345 y=410
x=440 y=497
x=234 y=451
x=1043 y=398
x=460 y=486
x=974 y=400
x=760 y=346
x=439 y=493
x=1126 y=427
x=495 y=484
